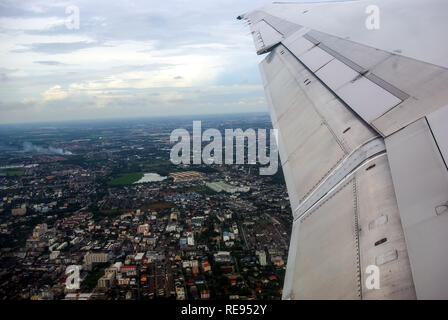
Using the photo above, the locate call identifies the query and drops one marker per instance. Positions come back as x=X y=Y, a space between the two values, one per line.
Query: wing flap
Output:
x=337 y=239
x=421 y=182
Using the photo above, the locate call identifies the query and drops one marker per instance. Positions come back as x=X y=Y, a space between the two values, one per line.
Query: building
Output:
x=139 y=256
x=123 y=281
x=54 y=255
x=262 y=257
x=143 y=229
x=180 y=293
x=197 y=220
x=222 y=186
x=128 y=270
x=78 y=296
x=205 y=294
x=106 y=281
x=173 y=216
x=190 y=239
x=206 y=266
x=278 y=261
x=40 y=230
x=18 y=211
x=222 y=257
x=186 y=176
x=96 y=257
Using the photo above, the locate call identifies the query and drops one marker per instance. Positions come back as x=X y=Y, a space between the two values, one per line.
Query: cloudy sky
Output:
x=127 y=59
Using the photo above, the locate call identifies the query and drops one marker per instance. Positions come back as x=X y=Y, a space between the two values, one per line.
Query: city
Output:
x=104 y=196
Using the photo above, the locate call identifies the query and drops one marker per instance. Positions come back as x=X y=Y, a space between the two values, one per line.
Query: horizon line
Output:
x=131 y=118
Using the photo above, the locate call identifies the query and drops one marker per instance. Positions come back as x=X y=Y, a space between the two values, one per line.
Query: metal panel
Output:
x=367 y=99
x=361 y=57
x=292 y=113
x=354 y=160
x=387 y=86
x=291 y=185
x=297 y=36
x=421 y=183
x=379 y=219
x=425 y=83
x=264 y=77
x=307 y=81
x=343 y=123
x=270 y=66
x=281 y=144
x=438 y=121
x=301 y=112
x=288 y=286
x=335 y=74
x=299 y=122
x=298 y=46
x=284 y=90
x=315 y=58
x=312 y=39
x=265 y=36
x=326 y=264
x=413 y=71
x=284 y=27
x=314 y=160
x=386 y=257
x=348 y=222
x=350 y=131
x=418 y=32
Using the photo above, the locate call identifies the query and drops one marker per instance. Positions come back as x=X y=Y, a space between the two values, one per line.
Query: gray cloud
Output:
x=30 y=147
x=162 y=30
x=50 y=63
x=58 y=47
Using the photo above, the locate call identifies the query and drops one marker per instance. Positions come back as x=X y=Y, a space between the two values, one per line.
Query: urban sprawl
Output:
x=105 y=197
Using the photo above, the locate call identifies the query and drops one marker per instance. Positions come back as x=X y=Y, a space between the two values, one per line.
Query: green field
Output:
x=90 y=282
x=125 y=178
x=12 y=172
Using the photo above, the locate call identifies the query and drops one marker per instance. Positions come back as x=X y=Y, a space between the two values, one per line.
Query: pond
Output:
x=151 y=177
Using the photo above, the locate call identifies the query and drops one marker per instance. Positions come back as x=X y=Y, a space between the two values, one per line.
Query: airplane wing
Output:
x=358 y=93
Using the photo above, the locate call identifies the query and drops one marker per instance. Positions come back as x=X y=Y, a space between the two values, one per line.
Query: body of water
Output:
x=151 y=177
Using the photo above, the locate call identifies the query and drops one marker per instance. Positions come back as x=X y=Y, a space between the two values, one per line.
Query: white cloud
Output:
x=25 y=24
x=54 y=93
x=145 y=57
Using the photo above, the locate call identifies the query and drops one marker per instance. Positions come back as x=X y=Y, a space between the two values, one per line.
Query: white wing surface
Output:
x=361 y=106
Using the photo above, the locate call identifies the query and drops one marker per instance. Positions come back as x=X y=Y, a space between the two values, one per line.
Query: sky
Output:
x=126 y=59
